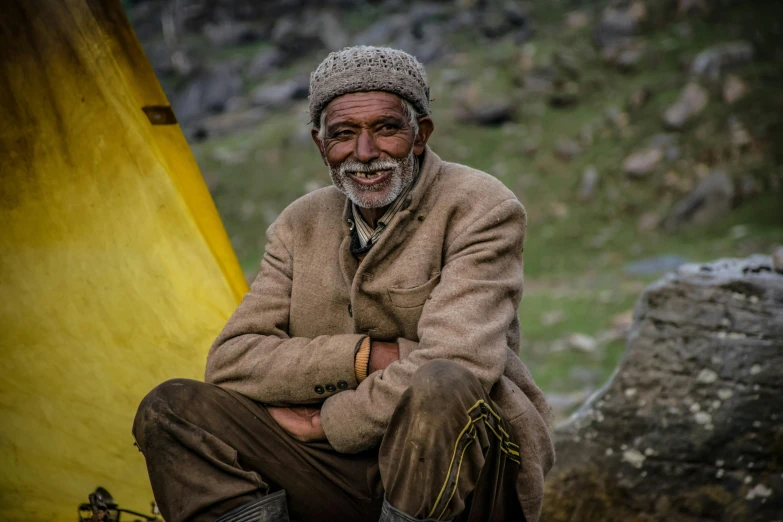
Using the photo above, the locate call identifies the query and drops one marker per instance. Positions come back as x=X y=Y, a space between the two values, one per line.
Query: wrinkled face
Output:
x=369 y=146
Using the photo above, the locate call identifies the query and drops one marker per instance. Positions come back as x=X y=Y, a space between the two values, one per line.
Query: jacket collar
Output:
x=396 y=231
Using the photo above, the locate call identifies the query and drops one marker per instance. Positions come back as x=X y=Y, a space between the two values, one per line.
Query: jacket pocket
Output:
x=413 y=297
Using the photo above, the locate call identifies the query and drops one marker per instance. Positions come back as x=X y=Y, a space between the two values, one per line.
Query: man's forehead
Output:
x=364 y=106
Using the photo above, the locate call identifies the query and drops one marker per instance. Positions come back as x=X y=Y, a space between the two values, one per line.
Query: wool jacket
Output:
x=444 y=281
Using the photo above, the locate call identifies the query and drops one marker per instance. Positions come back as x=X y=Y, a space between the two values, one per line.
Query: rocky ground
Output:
x=639 y=135
x=689 y=427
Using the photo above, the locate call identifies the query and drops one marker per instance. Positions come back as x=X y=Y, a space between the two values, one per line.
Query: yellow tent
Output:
x=115 y=270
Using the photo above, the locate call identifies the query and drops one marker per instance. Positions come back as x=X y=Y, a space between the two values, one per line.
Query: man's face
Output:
x=369 y=146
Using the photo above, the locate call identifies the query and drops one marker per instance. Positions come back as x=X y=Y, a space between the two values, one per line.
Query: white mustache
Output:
x=375 y=166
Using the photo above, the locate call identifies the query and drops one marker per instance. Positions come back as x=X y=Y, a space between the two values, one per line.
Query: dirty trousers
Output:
x=446 y=455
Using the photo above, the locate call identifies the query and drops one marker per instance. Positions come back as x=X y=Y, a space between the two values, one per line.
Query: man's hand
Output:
x=382 y=355
x=301 y=422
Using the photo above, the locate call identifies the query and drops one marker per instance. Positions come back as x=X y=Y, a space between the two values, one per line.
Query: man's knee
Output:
x=166 y=400
x=440 y=384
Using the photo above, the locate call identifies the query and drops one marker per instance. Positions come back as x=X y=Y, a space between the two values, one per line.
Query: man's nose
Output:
x=366 y=151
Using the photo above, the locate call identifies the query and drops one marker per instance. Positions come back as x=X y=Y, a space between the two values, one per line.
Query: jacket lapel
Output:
x=403 y=223
x=348 y=262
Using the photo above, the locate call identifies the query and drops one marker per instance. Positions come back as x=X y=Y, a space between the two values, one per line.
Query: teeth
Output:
x=366 y=175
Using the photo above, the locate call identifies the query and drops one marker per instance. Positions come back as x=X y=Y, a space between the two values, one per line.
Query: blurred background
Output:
x=639 y=135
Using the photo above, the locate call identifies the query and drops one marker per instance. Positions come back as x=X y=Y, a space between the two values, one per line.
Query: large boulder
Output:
x=690 y=427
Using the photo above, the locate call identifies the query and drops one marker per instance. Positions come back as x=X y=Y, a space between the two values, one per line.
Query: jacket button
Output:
x=331 y=388
x=350 y=310
x=319 y=389
x=342 y=385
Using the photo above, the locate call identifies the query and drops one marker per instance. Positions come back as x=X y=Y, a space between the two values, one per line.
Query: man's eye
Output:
x=389 y=128
x=343 y=134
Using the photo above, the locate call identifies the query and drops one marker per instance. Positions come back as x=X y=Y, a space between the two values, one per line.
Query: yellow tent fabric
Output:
x=115 y=270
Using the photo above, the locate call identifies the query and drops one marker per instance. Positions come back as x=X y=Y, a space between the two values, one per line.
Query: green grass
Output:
x=575 y=259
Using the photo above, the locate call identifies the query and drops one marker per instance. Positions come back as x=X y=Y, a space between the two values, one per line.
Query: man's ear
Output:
x=319 y=144
x=426 y=126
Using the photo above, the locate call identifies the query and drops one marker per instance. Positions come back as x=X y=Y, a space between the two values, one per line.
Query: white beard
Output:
x=375 y=196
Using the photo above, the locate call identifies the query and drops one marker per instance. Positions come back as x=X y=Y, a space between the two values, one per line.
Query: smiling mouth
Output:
x=371 y=178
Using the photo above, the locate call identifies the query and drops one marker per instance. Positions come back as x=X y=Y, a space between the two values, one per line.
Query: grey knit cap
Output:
x=363 y=69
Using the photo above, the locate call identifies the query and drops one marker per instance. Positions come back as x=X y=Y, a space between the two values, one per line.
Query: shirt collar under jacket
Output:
x=369 y=236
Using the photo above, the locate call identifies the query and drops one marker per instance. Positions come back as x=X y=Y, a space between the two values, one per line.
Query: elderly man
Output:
x=372 y=371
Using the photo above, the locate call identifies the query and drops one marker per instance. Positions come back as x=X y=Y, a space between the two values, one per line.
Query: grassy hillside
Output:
x=579 y=248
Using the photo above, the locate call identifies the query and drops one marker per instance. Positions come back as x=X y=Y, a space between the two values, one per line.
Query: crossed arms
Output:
x=466 y=320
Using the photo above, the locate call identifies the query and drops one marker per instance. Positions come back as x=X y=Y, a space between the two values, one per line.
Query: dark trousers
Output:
x=446 y=455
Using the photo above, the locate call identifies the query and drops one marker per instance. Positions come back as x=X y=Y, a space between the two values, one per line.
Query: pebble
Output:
x=777 y=259
x=707 y=376
x=634 y=458
x=759 y=490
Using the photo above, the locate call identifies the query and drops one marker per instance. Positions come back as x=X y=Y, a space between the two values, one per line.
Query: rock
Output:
x=712 y=198
x=626 y=56
x=296 y=34
x=648 y=222
x=734 y=89
x=281 y=93
x=566 y=149
x=588 y=184
x=540 y=80
x=714 y=62
x=237 y=104
x=617 y=117
x=159 y=55
x=748 y=187
x=423 y=13
x=295 y=37
x=777 y=260
x=618 y=24
x=266 y=61
x=693 y=99
x=498 y=20
x=565 y=96
x=568 y=63
x=227 y=123
x=642 y=162
x=183 y=62
x=558 y=210
x=208 y=92
x=688 y=427
x=232 y=33
x=667 y=142
x=582 y=342
x=426 y=48
x=655 y=265
x=740 y=136
x=384 y=31
x=331 y=33
x=552 y=318
x=690 y=7
x=488 y=113
x=640 y=97
x=577 y=20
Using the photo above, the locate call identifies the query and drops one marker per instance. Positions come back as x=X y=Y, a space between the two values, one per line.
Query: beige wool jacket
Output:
x=444 y=281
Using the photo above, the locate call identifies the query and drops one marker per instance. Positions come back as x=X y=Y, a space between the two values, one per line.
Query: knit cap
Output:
x=365 y=68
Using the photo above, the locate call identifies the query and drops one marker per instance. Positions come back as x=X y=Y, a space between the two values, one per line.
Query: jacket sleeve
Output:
x=465 y=320
x=254 y=354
